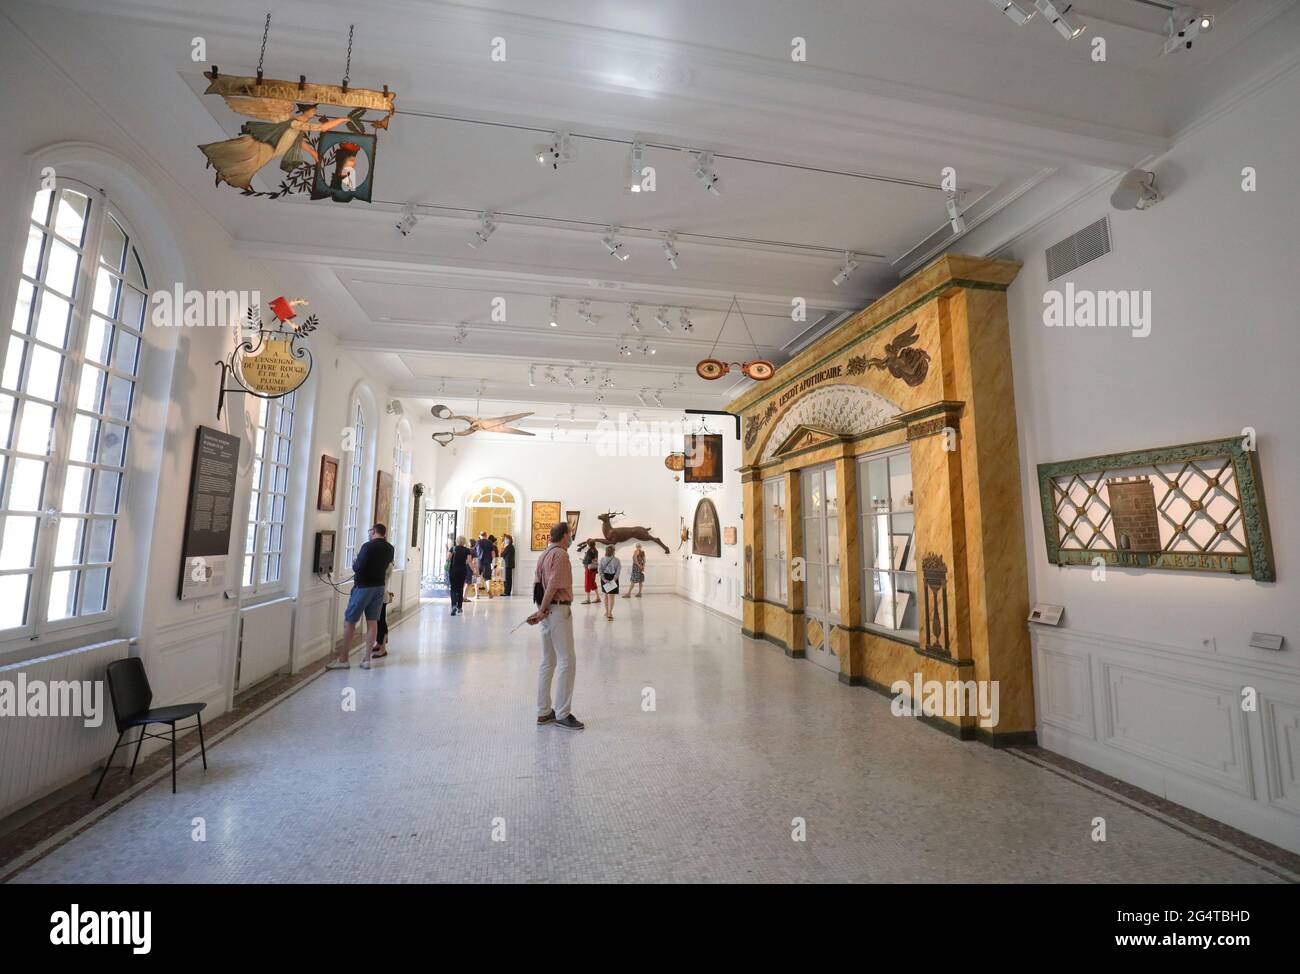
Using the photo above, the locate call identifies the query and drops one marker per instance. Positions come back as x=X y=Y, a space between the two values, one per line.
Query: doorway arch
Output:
x=493 y=505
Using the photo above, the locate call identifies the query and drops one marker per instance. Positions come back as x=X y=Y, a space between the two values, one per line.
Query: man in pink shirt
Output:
x=555 y=577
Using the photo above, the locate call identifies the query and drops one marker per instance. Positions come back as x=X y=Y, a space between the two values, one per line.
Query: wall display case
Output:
x=921 y=568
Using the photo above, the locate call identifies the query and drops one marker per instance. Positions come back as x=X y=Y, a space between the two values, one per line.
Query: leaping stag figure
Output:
x=617 y=536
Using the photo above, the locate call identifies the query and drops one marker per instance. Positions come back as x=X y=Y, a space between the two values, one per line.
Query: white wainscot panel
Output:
x=1196 y=728
x=1065 y=689
x=1282 y=748
x=312 y=628
x=188 y=663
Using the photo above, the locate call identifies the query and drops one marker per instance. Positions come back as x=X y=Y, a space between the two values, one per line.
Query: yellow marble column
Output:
x=794 y=635
x=846 y=486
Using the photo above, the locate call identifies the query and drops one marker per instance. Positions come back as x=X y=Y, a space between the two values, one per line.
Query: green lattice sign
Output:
x=1195 y=507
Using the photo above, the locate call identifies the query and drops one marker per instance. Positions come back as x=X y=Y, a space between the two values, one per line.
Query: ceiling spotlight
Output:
x=482 y=388
x=532 y=376
x=568 y=377
x=953 y=205
x=644 y=347
x=555 y=312
x=1183 y=26
x=1136 y=191
x=486 y=227
x=555 y=153
x=589 y=378
x=1013 y=10
x=408 y=220
x=551 y=377
x=462 y=333
x=635 y=417
x=640 y=396
x=670 y=249
x=606 y=380
x=635 y=163
x=600 y=397
x=634 y=317
x=677 y=381
x=658 y=398
x=684 y=319
x=705 y=174
x=624 y=348
x=604 y=414
x=584 y=312
x=1059 y=17
x=661 y=319
x=850 y=265
x=614 y=247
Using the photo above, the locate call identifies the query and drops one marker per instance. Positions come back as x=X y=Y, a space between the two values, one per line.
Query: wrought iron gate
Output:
x=439 y=532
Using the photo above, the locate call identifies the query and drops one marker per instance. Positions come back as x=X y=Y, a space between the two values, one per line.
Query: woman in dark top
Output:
x=485 y=561
x=508 y=559
x=461 y=565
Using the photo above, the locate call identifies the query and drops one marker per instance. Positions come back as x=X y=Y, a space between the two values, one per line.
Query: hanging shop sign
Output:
x=316 y=131
x=269 y=362
x=476 y=424
x=758 y=369
x=1196 y=507
x=545 y=515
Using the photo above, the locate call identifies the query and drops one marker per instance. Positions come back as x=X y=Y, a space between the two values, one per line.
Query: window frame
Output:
x=356 y=472
x=67 y=406
x=782 y=594
x=867 y=520
x=261 y=512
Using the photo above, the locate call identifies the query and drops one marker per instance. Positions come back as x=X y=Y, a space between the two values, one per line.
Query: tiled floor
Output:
x=442 y=747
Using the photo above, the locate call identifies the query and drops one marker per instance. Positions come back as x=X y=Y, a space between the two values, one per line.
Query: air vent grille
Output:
x=1080 y=248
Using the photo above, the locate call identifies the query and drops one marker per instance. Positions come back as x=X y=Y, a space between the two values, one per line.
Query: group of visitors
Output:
x=483 y=564
x=605 y=572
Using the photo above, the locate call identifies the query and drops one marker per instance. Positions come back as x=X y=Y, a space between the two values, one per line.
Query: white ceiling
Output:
x=839 y=153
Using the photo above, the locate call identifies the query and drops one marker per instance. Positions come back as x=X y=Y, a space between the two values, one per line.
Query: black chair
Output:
x=129 y=689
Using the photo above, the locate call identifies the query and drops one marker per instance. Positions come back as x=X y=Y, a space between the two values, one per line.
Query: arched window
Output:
x=352 y=522
x=490 y=508
x=67 y=393
x=264 y=540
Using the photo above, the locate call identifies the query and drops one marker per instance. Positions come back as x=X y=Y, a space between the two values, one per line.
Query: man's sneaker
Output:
x=571 y=722
x=336 y=665
x=548 y=718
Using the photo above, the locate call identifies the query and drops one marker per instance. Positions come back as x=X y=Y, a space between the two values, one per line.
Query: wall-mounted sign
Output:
x=205 y=547
x=546 y=514
x=269 y=362
x=1196 y=507
x=707 y=534
x=704 y=458
x=476 y=424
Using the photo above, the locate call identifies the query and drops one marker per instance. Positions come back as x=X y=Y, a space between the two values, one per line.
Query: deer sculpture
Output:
x=617 y=536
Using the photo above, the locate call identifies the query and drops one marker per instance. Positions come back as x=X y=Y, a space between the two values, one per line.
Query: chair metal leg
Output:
x=138 y=742
x=203 y=748
x=173 y=757
x=94 y=793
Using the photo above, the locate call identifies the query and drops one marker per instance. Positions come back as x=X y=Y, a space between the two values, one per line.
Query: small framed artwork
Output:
x=546 y=514
x=892 y=609
x=383 y=497
x=728 y=535
x=346 y=169
x=327 y=486
x=901 y=549
x=572 y=518
x=706 y=534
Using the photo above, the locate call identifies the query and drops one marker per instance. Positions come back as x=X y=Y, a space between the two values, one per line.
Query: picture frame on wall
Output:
x=383 y=497
x=572 y=518
x=328 y=484
x=706 y=535
x=729 y=536
x=545 y=515
x=704 y=458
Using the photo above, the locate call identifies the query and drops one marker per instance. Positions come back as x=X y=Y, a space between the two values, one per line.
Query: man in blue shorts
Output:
x=369 y=573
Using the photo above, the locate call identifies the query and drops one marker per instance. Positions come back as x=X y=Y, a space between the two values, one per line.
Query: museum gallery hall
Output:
x=571 y=442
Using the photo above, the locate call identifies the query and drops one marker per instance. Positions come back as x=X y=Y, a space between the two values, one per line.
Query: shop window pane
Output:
x=52 y=320
x=17 y=541
x=900 y=481
x=23 y=307
x=99 y=333
x=113 y=247
x=61 y=274
x=99 y=547
x=32 y=255
x=70 y=216
x=14 y=362
x=813 y=547
x=72 y=532
x=94 y=591
x=76 y=490
x=877 y=480
x=28 y=484
x=34 y=428
x=41 y=206
x=63 y=593
x=44 y=368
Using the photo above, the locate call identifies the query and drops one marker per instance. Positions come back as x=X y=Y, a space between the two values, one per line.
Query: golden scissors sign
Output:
x=490 y=424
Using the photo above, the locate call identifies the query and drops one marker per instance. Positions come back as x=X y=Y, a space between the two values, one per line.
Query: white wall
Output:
x=188 y=647
x=576 y=475
x=1144 y=680
x=718 y=583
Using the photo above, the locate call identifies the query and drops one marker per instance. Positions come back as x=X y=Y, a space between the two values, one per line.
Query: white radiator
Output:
x=265 y=642
x=40 y=754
